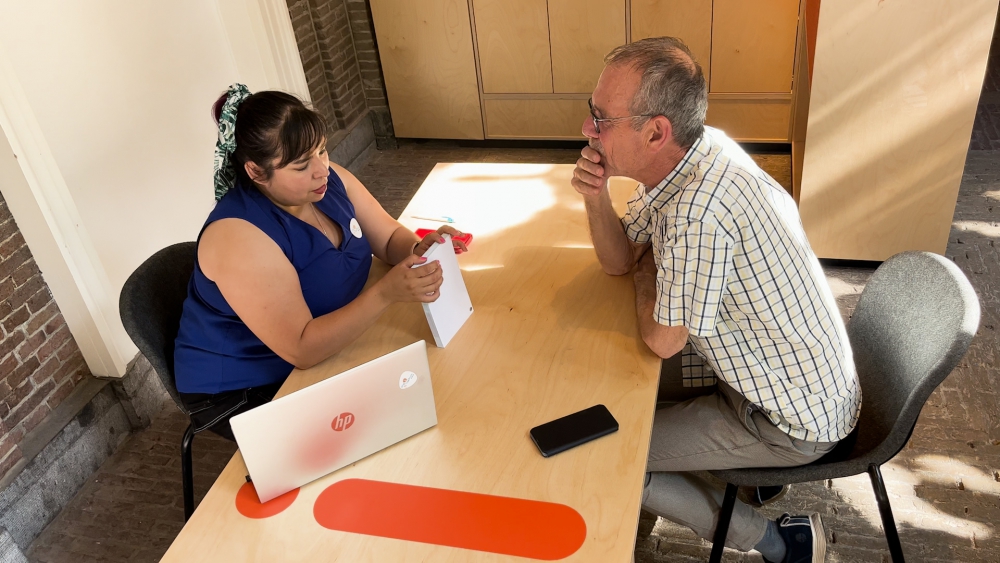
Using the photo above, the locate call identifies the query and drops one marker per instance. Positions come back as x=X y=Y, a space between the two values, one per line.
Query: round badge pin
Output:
x=355 y=228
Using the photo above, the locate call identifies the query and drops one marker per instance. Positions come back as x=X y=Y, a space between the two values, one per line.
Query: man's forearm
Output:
x=610 y=241
x=664 y=341
x=645 y=299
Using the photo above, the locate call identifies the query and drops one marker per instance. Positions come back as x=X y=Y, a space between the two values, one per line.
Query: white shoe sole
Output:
x=818 y=537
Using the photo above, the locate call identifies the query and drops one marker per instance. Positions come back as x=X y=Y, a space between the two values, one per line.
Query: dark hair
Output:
x=272 y=129
x=672 y=84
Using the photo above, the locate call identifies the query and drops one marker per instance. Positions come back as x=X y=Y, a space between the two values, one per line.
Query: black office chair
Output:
x=913 y=323
x=150 y=306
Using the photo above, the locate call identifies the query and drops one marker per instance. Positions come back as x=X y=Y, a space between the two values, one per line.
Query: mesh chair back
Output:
x=913 y=323
x=150 y=306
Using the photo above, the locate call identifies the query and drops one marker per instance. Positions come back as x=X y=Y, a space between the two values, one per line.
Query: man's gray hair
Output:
x=672 y=85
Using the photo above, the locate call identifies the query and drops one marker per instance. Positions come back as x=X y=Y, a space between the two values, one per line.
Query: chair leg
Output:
x=187 y=474
x=722 y=526
x=888 y=522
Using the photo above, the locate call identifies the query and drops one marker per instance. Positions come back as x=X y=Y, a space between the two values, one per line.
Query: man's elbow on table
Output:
x=621 y=264
x=664 y=341
x=616 y=269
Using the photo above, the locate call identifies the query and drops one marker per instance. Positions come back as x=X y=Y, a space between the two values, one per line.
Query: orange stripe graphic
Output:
x=510 y=526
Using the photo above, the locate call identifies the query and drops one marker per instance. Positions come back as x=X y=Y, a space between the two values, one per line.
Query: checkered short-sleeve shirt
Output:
x=734 y=267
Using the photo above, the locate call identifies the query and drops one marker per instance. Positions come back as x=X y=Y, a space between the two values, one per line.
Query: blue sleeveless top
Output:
x=214 y=350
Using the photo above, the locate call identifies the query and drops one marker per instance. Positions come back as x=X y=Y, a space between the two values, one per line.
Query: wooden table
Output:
x=551 y=334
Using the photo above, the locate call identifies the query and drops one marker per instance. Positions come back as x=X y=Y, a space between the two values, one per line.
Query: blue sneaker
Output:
x=805 y=538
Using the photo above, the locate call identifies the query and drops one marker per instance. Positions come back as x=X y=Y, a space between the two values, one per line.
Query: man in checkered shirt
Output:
x=727 y=286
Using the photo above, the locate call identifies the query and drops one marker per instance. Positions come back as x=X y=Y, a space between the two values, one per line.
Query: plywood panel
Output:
x=800 y=99
x=551 y=334
x=753 y=45
x=894 y=94
x=751 y=120
x=688 y=20
x=513 y=39
x=535 y=119
x=430 y=71
x=582 y=33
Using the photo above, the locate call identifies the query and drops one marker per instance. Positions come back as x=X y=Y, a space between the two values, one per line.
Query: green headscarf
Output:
x=225 y=171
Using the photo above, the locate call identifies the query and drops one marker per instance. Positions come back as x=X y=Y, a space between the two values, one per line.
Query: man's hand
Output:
x=616 y=253
x=589 y=175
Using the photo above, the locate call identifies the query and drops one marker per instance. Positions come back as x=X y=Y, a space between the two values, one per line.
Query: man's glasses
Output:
x=598 y=120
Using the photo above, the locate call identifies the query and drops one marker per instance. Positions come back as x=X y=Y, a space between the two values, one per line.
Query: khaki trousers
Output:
x=718 y=430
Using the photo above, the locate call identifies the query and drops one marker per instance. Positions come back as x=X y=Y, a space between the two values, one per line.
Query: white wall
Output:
x=107 y=106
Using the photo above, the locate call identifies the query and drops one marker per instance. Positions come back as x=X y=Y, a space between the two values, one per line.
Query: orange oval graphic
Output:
x=250 y=506
x=505 y=525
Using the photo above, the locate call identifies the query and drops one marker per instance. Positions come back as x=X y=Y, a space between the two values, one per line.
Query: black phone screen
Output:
x=573 y=429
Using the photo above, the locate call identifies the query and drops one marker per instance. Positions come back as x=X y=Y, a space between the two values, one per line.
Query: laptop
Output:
x=316 y=430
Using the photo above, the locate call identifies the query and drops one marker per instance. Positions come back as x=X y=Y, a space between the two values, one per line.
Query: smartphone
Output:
x=464 y=237
x=573 y=429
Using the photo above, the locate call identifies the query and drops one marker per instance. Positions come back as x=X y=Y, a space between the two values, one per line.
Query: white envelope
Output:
x=446 y=315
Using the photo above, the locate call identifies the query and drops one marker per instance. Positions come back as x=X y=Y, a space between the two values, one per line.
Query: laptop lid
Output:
x=316 y=430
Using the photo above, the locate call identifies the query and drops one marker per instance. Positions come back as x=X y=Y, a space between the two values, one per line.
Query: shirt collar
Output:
x=677 y=177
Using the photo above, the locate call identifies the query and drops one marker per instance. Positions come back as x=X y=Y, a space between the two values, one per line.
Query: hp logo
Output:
x=343 y=421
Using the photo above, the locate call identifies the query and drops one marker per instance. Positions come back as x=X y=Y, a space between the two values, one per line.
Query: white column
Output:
x=107 y=157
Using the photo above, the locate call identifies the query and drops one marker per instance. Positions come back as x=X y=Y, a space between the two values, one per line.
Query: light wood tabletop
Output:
x=551 y=334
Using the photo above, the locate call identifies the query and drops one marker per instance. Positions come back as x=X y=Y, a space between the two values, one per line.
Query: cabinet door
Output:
x=688 y=20
x=535 y=119
x=753 y=45
x=430 y=71
x=582 y=33
x=513 y=40
x=753 y=121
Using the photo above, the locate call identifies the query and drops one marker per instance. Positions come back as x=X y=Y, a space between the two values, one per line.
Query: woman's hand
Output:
x=406 y=284
x=431 y=238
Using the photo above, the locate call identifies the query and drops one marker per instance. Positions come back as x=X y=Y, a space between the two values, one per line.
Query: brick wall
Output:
x=366 y=49
x=986 y=128
x=40 y=362
x=339 y=56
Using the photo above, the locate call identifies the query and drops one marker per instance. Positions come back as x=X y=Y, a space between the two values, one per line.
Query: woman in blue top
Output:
x=282 y=260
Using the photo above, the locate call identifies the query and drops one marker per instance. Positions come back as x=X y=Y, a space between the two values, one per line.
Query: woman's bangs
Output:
x=302 y=133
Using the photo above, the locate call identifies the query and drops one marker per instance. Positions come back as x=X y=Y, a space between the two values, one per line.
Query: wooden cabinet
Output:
x=753 y=45
x=535 y=119
x=688 y=20
x=758 y=120
x=753 y=55
x=430 y=69
x=582 y=32
x=513 y=39
x=523 y=69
